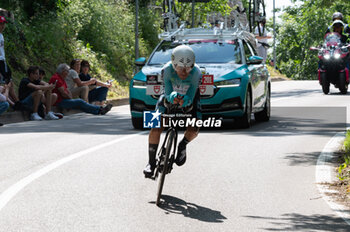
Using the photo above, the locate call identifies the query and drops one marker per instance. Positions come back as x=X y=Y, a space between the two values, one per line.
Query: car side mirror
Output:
x=255 y=60
x=140 y=61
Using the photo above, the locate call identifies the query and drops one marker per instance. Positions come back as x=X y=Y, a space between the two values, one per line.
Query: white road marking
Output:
x=9 y=193
x=279 y=99
x=324 y=175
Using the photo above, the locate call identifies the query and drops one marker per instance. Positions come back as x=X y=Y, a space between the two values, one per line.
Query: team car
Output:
x=235 y=83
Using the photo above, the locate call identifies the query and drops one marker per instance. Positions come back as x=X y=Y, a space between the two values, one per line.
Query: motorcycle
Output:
x=333 y=68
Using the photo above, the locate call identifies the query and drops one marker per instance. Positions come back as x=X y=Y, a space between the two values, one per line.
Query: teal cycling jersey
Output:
x=187 y=87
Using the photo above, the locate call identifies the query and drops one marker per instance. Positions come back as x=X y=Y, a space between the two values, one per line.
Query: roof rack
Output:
x=205 y=33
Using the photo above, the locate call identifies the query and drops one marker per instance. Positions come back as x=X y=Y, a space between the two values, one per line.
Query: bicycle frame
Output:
x=161 y=152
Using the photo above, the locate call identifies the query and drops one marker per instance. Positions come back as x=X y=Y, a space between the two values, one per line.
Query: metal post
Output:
x=137 y=30
x=193 y=13
x=274 y=36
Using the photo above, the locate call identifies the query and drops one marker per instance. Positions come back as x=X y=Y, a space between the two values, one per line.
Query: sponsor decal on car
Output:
x=207 y=85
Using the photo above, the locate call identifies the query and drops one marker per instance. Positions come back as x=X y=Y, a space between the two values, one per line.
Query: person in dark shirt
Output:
x=33 y=91
x=98 y=91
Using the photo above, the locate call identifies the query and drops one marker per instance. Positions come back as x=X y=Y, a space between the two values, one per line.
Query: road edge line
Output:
x=12 y=191
x=324 y=174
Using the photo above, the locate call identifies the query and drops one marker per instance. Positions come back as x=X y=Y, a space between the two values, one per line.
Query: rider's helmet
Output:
x=183 y=56
x=337 y=16
x=337 y=24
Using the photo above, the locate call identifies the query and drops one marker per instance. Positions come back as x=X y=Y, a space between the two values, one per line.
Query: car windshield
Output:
x=206 y=51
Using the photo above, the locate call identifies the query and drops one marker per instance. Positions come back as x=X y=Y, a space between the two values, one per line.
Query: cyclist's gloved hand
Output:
x=187 y=101
x=172 y=96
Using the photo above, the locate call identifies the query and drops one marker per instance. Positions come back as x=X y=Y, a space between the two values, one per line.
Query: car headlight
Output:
x=327 y=56
x=228 y=83
x=139 y=84
x=336 y=55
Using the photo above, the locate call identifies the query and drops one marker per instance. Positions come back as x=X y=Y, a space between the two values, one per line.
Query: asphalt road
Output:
x=84 y=172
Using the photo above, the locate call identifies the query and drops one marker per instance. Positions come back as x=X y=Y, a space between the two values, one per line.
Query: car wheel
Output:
x=244 y=121
x=137 y=123
x=264 y=116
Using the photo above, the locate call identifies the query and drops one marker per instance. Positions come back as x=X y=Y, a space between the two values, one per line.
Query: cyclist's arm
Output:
x=168 y=87
x=191 y=92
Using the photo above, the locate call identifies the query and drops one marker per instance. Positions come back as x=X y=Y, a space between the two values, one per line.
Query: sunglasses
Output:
x=182 y=69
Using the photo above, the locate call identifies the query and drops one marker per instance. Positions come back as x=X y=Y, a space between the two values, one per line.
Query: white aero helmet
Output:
x=183 y=56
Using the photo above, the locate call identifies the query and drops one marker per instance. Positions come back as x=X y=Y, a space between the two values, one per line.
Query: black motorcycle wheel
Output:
x=343 y=86
x=324 y=83
x=168 y=145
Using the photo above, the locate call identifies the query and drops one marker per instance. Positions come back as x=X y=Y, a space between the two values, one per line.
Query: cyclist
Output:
x=181 y=80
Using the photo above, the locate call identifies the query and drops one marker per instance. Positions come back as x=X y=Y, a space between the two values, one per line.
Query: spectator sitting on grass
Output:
x=65 y=100
x=98 y=92
x=42 y=75
x=5 y=90
x=32 y=91
x=77 y=87
x=4 y=105
x=5 y=71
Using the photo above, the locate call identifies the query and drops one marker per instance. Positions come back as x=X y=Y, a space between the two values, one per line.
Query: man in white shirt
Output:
x=5 y=71
x=262 y=45
x=78 y=88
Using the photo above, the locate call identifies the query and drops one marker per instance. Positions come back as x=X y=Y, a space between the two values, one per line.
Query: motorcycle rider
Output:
x=181 y=80
x=339 y=16
x=338 y=26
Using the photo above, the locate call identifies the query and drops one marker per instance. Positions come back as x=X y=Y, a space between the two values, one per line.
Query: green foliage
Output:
x=149 y=29
x=342 y=174
x=302 y=27
x=102 y=32
x=108 y=28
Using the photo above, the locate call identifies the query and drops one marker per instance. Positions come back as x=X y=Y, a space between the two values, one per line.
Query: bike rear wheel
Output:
x=168 y=146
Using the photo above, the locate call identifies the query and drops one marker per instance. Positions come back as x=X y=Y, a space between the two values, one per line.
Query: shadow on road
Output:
x=299 y=222
x=80 y=123
x=291 y=121
x=306 y=159
x=295 y=93
x=177 y=206
x=284 y=121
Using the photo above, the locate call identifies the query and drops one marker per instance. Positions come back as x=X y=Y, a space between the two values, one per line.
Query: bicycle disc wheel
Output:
x=168 y=145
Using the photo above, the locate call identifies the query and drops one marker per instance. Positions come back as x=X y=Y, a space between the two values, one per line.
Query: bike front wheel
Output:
x=168 y=145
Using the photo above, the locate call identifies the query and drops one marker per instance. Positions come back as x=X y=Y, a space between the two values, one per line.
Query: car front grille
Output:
x=138 y=105
x=226 y=105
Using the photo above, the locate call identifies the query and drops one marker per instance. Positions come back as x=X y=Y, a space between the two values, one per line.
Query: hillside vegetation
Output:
x=50 y=32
